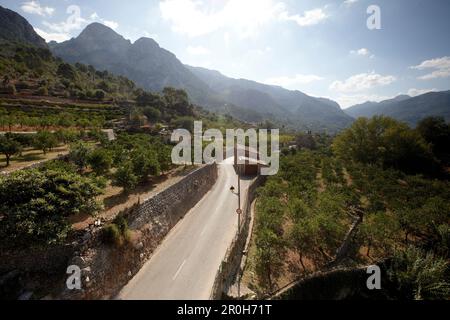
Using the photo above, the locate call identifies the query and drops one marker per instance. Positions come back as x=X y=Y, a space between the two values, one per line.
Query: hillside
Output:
x=15 y=28
x=405 y=108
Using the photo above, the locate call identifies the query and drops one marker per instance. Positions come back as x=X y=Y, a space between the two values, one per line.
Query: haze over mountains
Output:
x=406 y=108
x=154 y=68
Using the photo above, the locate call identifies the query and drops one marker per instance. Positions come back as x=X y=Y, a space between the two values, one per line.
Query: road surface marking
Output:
x=178 y=271
x=203 y=231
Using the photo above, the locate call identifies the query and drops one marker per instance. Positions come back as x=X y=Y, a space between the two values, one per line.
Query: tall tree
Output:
x=9 y=148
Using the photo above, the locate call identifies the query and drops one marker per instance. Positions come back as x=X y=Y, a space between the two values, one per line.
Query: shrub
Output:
x=42 y=91
x=117 y=233
x=11 y=89
x=111 y=235
x=419 y=275
x=100 y=94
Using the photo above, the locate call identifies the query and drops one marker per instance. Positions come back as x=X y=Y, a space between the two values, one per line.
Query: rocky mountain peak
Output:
x=16 y=28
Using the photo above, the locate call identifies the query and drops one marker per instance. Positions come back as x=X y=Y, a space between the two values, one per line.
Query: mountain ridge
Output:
x=16 y=28
x=307 y=110
x=405 y=108
x=154 y=68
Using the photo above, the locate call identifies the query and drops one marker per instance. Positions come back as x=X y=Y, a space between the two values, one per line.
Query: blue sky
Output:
x=323 y=48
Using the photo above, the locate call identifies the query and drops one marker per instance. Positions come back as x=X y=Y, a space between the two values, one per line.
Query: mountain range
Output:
x=405 y=108
x=154 y=68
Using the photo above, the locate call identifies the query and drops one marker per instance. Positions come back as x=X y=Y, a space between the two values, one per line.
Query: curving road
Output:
x=185 y=264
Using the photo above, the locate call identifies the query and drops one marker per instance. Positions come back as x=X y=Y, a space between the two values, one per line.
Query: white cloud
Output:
x=362 y=52
x=293 y=82
x=309 y=18
x=361 y=82
x=154 y=36
x=350 y=2
x=34 y=7
x=61 y=31
x=198 y=18
x=417 y=92
x=436 y=74
x=111 y=24
x=74 y=22
x=441 y=67
x=198 y=50
x=58 y=37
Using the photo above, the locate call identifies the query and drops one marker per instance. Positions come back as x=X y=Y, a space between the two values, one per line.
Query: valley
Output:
x=88 y=178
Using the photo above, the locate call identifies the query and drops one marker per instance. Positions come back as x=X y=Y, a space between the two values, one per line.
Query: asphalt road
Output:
x=185 y=264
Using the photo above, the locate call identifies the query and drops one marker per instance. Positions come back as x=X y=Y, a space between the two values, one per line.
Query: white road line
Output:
x=178 y=271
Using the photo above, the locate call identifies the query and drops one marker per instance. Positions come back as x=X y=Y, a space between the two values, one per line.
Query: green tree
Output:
x=144 y=98
x=100 y=161
x=11 y=89
x=66 y=135
x=184 y=123
x=178 y=101
x=303 y=237
x=436 y=132
x=42 y=91
x=100 y=95
x=387 y=142
x=67 y=71
x=305 y=141
x=145 y=163
x=45 y=141
x=124 y=177
x=9 y=148
x=269 y=241
x=153 y=115
x=79 y=155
